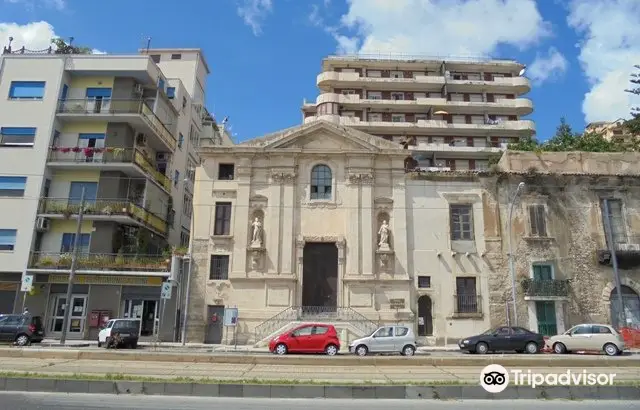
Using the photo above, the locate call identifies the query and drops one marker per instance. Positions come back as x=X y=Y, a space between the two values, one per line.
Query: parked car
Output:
x=308 y=338
x=386 y=339
x=22 y=329
x=588 y=337
x=120 y=332
x=504 y=338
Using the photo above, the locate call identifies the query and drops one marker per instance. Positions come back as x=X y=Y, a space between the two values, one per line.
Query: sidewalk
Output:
x=214 y=347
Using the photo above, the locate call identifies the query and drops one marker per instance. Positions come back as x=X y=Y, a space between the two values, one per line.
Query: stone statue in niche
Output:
x=383 y=232
x=256 y=234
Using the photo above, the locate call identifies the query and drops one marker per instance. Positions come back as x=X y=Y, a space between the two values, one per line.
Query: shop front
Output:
x=97 y=298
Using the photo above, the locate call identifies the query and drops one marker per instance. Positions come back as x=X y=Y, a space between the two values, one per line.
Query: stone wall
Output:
x=593 y=163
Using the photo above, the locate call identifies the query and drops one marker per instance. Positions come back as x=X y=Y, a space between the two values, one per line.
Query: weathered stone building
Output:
x=563 y=267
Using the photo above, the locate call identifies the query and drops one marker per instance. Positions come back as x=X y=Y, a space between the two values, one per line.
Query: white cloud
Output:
x=440 y=27
x=253 y=12
x=547 y=66
x=610 y=47
x=314 y=17
x=33 y=36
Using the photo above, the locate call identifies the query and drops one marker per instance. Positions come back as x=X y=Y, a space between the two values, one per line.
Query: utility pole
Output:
x=622 y=316
x=72 y=271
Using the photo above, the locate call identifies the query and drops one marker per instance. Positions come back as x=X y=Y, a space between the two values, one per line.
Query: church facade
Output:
x=319 y=222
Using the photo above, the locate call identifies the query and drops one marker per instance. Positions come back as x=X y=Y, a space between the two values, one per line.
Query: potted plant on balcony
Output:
x=53 y=148
x=88 y=151
x=180 y=251
x=67 y=212
x=117 y=152
x=64 y=261
x=108 y=150
x=45 y=262
x=65 y=149
x=76 y=149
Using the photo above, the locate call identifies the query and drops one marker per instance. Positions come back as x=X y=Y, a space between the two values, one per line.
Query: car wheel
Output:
x=408 y=350
x=134 y=345
x=22 y=340
x=532 y=348
x=281 y=349
x=610 y=349
x=99 y=344
x=559 y=348
x=331 y=350
x=362 y=350
x=482 y=348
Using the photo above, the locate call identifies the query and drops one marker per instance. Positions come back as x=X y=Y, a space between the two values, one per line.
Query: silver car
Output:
x=387 y=339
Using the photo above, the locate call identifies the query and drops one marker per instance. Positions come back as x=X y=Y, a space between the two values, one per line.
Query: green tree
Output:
x=63 y=47
x=633 y=124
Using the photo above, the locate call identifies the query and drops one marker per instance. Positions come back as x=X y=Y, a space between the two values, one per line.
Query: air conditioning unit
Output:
x=42 y=224
x=138 y=89
x=162 y=157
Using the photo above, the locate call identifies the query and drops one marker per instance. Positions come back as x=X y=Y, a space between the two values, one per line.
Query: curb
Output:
x=317 y=391
x=542 y=360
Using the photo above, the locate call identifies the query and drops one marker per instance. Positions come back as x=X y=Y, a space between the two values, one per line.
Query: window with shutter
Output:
x=537 y=220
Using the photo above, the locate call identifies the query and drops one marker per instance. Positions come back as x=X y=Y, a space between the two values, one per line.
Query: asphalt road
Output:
x=45 y=401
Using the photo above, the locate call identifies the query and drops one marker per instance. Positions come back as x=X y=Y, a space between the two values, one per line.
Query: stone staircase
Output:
x=349 y=323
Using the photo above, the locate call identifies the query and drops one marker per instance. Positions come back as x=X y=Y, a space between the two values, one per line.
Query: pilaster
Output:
x=368 y=235
x=399 y=222
x=272 y=223
x=241 y=227
x=288 y=225
x=353 y=229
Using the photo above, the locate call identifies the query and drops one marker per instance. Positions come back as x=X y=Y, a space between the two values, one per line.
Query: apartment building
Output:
x=610 y=129
x=122 y=131
x=451 y=115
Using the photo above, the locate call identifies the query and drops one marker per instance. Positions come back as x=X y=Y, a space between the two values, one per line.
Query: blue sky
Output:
x=265 y=54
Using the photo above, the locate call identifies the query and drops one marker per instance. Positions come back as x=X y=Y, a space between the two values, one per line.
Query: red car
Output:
x=309 y=338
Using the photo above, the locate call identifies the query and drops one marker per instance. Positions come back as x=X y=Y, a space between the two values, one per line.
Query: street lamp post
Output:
x=512 y=268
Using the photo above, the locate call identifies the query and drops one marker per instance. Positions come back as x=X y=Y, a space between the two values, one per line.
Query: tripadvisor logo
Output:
x=495 y=378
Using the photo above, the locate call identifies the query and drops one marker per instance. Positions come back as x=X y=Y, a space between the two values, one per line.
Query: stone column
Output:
x=272 y=223
x=368 y=234
x=287 y=243
x=353 y=229
x=196 y=322
x=241 y=223
x=341 y=245
x=398 y=224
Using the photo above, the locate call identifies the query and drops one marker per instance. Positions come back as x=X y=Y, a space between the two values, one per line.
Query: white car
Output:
x=123 y=331
x=387 y=339
x=588 y=337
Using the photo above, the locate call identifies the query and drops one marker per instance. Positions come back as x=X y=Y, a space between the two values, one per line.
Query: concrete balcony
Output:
x=127 y=160
x=135 y=112
x=520 y=106
x=100 y=263
x=429 y=127
x=332 y=79
x=627 y=252
x=120 y=211
x=460 y=151
x=554 y=289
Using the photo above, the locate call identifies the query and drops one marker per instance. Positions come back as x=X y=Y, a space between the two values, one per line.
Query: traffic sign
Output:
x=231 y=317
x=165 y=293
x=27 y=283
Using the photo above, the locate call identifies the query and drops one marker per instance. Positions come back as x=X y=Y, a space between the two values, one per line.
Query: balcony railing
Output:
x=104 y=262
x=90 y=106
x=67 y=208
x=467 y=304
x=108 y=155
x=551 y=288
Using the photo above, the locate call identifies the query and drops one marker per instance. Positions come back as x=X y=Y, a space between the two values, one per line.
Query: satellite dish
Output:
x=522 y=71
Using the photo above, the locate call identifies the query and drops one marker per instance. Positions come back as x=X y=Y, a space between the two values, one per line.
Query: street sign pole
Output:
x=165 y=293
x=25 y=287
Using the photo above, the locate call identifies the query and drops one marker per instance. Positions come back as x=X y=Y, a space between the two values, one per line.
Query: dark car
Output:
x=504 y=338
x=21 y=329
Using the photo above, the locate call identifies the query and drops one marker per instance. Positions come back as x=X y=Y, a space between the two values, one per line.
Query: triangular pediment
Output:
x=322 y=136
